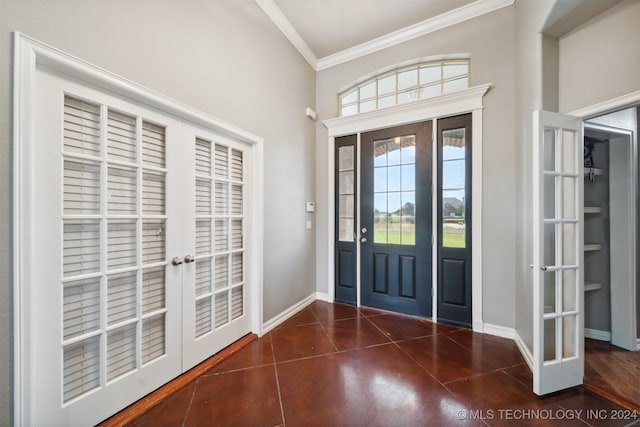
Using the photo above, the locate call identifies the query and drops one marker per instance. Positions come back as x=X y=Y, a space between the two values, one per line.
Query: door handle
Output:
x=176 y=261
x=189 y=259
x=363 y=240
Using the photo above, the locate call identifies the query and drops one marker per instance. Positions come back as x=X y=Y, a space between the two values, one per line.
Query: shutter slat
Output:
x=203 y=157
x=203 y=276
x=222 y=198
x=153 y=145
x=121 y=244
x=222 y=309
x=153 y=338
x=237 y=302
x=237 y=268
x=121 y=297
x=122 y=194
x=153 y=194
x=121 y=351
x=236 y=234
x=222 y=235
x=203 y=237
x=81 y=367
x=81 y=127
x=121 y=137
x=222 y=272
x=81 y=307
x=237 y=167
x=203 y=317
x=203 y=197
x=81 y=247
x=153 y=241
x=153 y=289
x=221 y=161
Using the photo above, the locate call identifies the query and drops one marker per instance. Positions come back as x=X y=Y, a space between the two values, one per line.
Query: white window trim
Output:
x=465 y=101
x=30 y=54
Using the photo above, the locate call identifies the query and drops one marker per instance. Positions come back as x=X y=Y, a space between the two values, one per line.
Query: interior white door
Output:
x=216 y=185
x=136 y=266
x=558 y=298
x=104 y=305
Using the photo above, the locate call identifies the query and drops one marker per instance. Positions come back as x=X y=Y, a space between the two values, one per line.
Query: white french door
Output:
x=216 y=184
x=558 y=299
x=136 y=254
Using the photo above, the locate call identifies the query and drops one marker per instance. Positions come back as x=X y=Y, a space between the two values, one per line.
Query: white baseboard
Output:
x=499 y=331
x=524 y=350
x=289 y=312
x=596 y=334
x=322 y=296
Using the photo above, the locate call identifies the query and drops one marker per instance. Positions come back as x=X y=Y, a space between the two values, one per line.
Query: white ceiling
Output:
x=330 y=32
x=331 y=26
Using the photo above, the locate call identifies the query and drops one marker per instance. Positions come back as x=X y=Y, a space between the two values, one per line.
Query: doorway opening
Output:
x=610 y=256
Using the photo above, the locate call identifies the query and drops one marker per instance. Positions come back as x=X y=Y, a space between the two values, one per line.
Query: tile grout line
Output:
x=275 y=370
x=193 y=393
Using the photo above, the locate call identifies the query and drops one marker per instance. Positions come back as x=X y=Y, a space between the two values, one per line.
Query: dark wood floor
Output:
x=335 y=365
x=613 y=372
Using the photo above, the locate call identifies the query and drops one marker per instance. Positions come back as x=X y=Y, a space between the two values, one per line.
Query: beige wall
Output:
x=600 y=60
x=224 y=57
x=490 y=40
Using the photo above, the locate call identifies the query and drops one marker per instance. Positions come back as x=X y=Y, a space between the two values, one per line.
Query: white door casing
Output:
x=104 y=173
x=558 y=288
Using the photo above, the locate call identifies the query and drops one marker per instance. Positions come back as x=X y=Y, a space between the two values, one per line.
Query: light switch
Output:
x=308 y=224
x=311 y=207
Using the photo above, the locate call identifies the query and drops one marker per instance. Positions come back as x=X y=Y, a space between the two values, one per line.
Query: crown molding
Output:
x=275 y=14
x=447 y=19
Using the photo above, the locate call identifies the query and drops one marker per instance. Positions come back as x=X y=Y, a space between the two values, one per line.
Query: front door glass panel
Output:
x=394 y=187
x=453 y=188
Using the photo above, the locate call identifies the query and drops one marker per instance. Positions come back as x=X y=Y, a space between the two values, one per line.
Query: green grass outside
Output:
x=394 y=238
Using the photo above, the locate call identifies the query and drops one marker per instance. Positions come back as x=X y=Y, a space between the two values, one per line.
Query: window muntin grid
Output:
x=406 y=84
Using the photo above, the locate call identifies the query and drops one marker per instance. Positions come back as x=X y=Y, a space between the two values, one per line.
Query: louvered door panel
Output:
x=114 y=257
x=116 y=190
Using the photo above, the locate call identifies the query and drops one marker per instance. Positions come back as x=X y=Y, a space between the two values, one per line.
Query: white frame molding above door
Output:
x=465 y=101
x=29 y=55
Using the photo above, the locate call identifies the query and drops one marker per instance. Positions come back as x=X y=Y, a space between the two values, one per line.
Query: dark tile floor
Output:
x=334 y=364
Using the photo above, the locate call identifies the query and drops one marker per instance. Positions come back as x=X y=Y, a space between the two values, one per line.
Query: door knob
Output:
x=176 y=261
x=188 y=259
x=363 y=240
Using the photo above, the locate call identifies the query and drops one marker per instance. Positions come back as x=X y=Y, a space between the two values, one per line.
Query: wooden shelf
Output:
x=593 y=209
x=592 y=286
x=592 y=247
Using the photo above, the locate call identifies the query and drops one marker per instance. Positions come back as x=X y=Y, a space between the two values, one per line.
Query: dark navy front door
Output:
x=396 y=219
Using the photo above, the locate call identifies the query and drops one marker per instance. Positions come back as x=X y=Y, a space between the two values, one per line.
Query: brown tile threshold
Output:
x=141 y=406
x=612 y=397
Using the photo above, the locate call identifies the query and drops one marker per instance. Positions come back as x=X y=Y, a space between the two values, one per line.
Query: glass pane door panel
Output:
x=569 y=291
x=394 y=183
x=569 y=151
x=549 y=192
x=549 y=245
x=346 y=193
x=549 y=340
x=549 y=291
x=569 y=336
x=454 y=178
x=569 y=252
x=569 y=210
x=549 y=150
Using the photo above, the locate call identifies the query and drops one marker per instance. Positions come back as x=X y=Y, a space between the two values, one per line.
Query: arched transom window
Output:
x=405 y=84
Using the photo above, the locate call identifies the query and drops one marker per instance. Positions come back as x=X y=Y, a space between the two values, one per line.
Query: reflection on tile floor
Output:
x=334 y=365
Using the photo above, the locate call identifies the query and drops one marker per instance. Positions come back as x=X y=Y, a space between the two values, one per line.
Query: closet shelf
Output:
x=596 y=171
x=592 y=247
x=592 y=286
x=593 y=209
